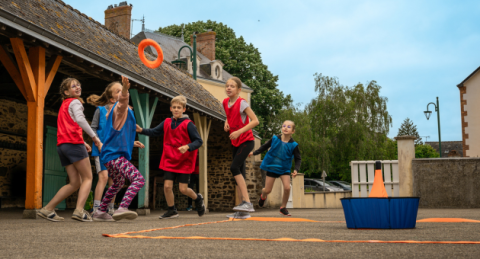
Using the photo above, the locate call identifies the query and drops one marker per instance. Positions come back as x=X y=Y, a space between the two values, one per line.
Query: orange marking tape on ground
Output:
x=449 y=220
x=286 y=239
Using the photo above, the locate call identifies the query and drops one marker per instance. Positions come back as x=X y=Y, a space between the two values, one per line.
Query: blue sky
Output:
x=416 y=50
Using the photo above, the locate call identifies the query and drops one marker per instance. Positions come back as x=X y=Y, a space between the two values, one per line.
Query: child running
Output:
x=119 y=134
x=110 y=96
x=73 y=152
x=278 y=161
x=240 y=127
x=180 y=143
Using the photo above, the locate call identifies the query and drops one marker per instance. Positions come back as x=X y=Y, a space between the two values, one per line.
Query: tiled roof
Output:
x=81 y=33
x=170 y=47
x=448 y=146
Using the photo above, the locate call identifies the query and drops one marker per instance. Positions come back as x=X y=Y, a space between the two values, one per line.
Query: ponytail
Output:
x=103 y=99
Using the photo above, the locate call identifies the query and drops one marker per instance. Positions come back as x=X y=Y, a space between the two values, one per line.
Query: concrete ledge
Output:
x=30 y=214
x=143 y=212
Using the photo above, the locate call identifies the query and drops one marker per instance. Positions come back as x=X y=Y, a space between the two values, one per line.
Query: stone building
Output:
x=469 y=94
x=43 y=42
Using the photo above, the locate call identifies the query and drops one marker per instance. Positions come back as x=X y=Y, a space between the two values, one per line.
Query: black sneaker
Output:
x=199 y=205
x=261 y=201
x=284 y=212
x=170 y=214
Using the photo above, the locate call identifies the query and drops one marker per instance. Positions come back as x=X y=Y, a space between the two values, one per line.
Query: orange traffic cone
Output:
x=378 y=188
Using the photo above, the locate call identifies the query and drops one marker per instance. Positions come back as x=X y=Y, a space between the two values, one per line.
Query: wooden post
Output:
x=143 y=115
x=203 y=128
x=33 y=78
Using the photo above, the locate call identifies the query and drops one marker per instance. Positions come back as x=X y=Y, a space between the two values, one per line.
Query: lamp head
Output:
x=427 y=114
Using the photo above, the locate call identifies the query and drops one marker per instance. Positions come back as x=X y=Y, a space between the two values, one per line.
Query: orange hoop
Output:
x=141 y=47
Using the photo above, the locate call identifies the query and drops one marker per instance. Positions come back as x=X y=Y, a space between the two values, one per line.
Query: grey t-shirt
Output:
x=243 y=105
x=75 y=109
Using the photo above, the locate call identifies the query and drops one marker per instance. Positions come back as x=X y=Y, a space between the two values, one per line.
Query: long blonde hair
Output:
x=65 y=86
x=104 y=99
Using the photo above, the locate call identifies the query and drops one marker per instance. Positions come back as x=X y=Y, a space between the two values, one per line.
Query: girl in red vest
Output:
x=73 y=152
x=240 y=121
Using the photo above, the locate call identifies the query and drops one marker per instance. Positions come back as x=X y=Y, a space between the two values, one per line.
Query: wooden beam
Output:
x=24 y=68
x=12 y=69
x=51 y=71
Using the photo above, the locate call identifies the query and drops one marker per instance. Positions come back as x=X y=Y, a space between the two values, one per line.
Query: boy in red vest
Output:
x=180 y=143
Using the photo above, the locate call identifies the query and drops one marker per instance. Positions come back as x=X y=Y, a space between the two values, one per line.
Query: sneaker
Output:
x=102 y=216
x=124 y=213
x=189 y=208
x=81 y=215
x=200 y=205
x=111 y=211
x=284 y=212
x=239 y=215
x=261 y=202
x=245 y=207
x=49 y=215
x=170 y=214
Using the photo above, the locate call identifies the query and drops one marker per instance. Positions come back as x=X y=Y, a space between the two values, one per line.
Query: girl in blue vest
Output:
x=109 y=97
x=119 y=140
x=278 y=161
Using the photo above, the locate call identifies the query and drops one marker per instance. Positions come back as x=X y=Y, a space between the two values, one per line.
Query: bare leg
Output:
x=102 y=182
x=85 y=171
x=242 y=186
x=239 y=194
x=67 y=190
x=269 y=181
x=286 y=189
x=187 y=191
x=167 y=188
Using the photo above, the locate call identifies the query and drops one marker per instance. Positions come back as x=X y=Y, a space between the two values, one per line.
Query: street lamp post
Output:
x=193 y=57
x=427 y=114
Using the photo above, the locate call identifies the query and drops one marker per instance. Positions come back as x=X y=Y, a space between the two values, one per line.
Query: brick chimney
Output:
x=118 y=19
x=206 y=44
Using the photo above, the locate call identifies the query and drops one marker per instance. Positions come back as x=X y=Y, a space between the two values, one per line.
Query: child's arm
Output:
x=298 y=160
x=262 y=149
x=197 y=141
x=227 y=126
x=75 y=109
x=138 y=144
x=252 y=124
x=95 y=121
x=155 y=132
x=120 y=112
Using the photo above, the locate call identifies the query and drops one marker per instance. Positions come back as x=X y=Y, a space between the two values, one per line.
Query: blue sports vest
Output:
x=118 y=142
x=101 y=127
x=278 y=159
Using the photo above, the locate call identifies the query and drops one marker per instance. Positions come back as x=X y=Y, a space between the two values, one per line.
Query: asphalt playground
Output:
x=324 y=235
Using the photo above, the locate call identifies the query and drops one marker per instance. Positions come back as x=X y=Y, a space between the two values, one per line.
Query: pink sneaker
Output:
x=102 y=216
x=124 y=213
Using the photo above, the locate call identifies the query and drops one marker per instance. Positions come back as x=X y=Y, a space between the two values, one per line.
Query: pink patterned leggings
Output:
x=120 y=169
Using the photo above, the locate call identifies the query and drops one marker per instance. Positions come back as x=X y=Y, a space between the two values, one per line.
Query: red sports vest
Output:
x=172 y=159
x=235 y=121
x=197 y=167
x=68 y=130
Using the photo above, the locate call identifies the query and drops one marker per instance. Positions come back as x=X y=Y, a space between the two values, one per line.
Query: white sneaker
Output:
x=239 y=215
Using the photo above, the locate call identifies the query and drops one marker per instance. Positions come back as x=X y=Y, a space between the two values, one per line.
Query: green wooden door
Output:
x=55 y=176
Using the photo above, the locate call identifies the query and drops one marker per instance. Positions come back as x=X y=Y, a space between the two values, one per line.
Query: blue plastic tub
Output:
x=381 y=213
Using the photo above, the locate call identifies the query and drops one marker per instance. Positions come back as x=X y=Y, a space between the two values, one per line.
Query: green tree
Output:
x=243 y=61
x=409 y=129
x=339 y=125
x=425 y=151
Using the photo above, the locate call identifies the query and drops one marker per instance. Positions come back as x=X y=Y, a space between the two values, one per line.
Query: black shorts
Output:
x=182 y=178
x=274 y=175
x=71 y=153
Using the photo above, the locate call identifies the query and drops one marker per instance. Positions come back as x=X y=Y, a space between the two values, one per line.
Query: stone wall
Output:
x=447 y=182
